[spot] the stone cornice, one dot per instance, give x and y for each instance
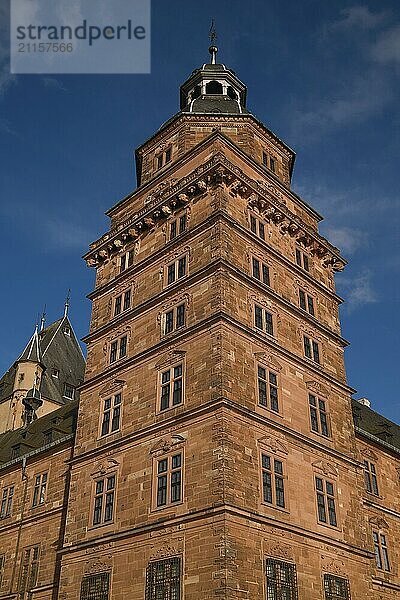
(262, 197)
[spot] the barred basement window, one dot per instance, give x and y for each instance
(103, 510)
(163, 579)
(169, 480)
(111, 415)
(95, 587)
(325, 501)
(306, 302)
(29, 571)
(273, 481)
(336, 588)
(267, 388)
(6, 502)
(263, 320)
(311, 349)
(178, 226)
(381, 551)
(260, 271)
(371, 483)
(281, 580)
(39, 491)
(318, 417)
(171, 384)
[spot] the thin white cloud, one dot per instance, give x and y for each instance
(54, 84)
(359, 290)
(387, 48)
(359, 17)
(347, 239)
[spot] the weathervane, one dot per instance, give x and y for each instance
(213, 39)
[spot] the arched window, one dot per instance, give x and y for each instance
(196, 92)
(214, 87)
(231, 93)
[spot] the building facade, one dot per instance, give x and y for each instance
(218, 452)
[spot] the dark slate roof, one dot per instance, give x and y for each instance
(58, 350)
(40, 434)
(32, 350)
(215, 104)
(373, 424)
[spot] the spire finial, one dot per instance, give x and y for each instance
(213, 39)
(43, 318)
(66, 305)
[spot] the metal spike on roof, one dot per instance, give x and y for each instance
(32, 351)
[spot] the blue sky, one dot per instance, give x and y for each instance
(324, 76)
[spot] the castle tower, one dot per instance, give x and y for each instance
(215, 453)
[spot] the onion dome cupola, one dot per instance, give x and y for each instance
(213, 89)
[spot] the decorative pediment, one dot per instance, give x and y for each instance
(165, 551)
(98, 565)
(176, 254)
(187, 298)
(317, 388)
(379, 522)
(261, 300)
(273, 443)
(170, 358)
(333, 566)
(278, 551)
(368, 453)
(326, 468)
(268, 360)
(167, 443)
(104, 467)
(112, 387)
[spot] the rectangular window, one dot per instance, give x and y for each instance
(273, 481)
(265, 159)
(371, 483)
(381, 551)
(272, 164)
(268, 389)
(159, 161)
(163, 579)
(2, 561)
(281, 580)
(263, 320)
(111, 415)
(302, 260)
(118, 348)
(318, 417)
(171, 387)
(311, 349)
(177, 270)
(29, 571)
(260, 271)
(169, 480)
(122, 346)
(39, 490)
(95, 587)
(126, 261)
(174, 318)
(257, 226)
(325, 501)
(336, 588)
(168, 155)
(69, 391)
(117, 305)
(103, 508)
(6, 502)
(178, 226)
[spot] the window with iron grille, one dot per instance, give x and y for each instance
(6, 502)
(336, 588)
(39, 491)
(260, 271)
(273, 481)
(326, 501)
(263, 320)
(28, 572)
(281, 580)
(318, 416)
(306, 302)
(371, 483)
(174, 318)
(95, 587)
(381, 551)
(168, 481)
(267, 388)
(257, 226)
(177, 270)
(178, 226)
(111, 414)
(118, 348)
(171, 387)
(104, 500)
(302, 260)
(311, 349)
(122, 302)
(163, 579)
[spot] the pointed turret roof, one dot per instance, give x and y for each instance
(32, 351)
